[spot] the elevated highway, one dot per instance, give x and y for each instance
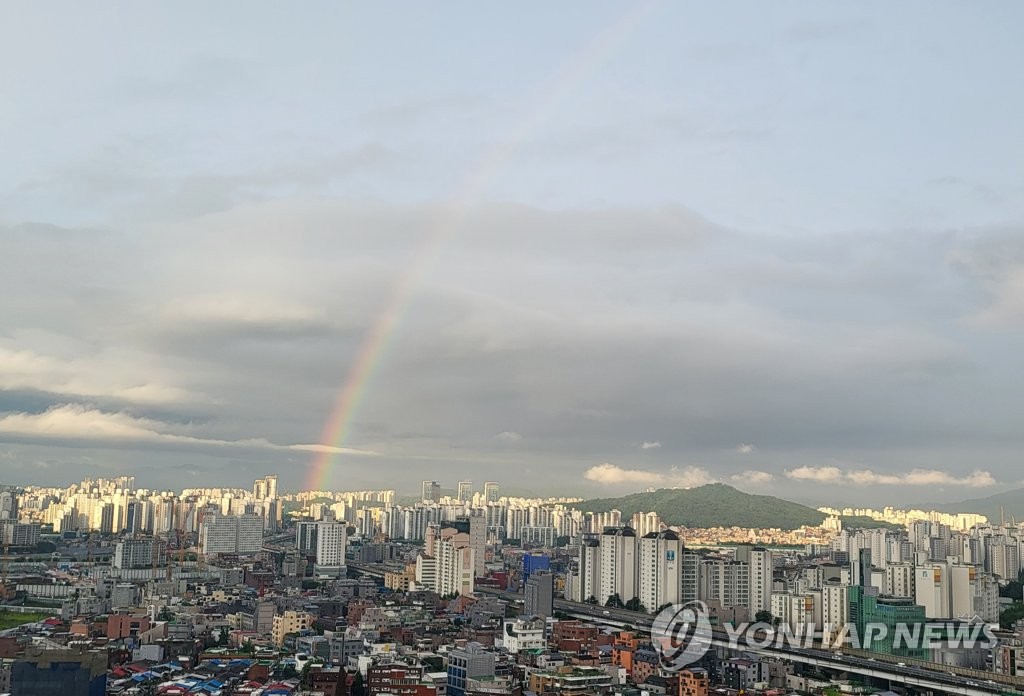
(920, 674)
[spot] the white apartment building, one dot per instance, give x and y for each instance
(659, 565)
(588, 582)
(232, 534)
(331, 544)
(618, 564)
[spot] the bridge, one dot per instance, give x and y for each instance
(920, 674)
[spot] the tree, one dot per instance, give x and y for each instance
(635, 605)
(615, 601)
(357, 688)
(591, 600)
(434, 663)
(1009, 616)
(1012, 590)
(764, 617)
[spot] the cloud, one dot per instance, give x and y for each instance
(75, 423)
(754, 477)
(817, 474)
(646, 445)
(98, 376)
(324, 449)
(745, 449)
(220, 308)
(868, 477)
(611, 474)
(1007, 305)
(757, 345)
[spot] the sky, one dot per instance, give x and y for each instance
(581, 249)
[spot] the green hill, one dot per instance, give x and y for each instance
(718, 505)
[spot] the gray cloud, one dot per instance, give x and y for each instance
(589, 330)
(587, 246)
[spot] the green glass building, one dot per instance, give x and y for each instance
(883, 624)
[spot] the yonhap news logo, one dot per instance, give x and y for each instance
(681, 633)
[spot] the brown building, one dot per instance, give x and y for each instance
(397, 679)
(122, 625)
(571, 680)
(575, 637)
(645, 664)
(331, 681)
(693, 682)
(623, 647)
(355, 610)
(9, 648)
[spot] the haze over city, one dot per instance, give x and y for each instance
(622, 247)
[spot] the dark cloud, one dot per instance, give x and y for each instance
(667, 227)
(565, 337)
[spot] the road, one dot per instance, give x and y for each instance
(939, 678)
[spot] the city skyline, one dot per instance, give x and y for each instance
(631, 246)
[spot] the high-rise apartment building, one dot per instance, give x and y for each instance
(588, 578)
(232, 534)
(659, 564)
(138, 553)
(618, 563)
(331, 543)
(8, 505)
(762, 569)
(465, 492)
(538, 594)
(491, 494)
(265, 488)
(431, 492)
(727, 582)
(455, 565)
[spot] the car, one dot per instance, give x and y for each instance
(606, 612)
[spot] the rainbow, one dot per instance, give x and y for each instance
(571, 73)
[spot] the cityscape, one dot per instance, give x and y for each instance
(480, 348)
(257, 590)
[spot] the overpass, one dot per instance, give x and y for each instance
(920, 674)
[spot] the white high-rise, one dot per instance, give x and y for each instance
(588, 584)
(455, 566)
(761, 573)
(899, 580)
(232, 534)
(727, 582)
(331, 543)
(491, 494)
(618, 564)
(659, 566)
(946, 590)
